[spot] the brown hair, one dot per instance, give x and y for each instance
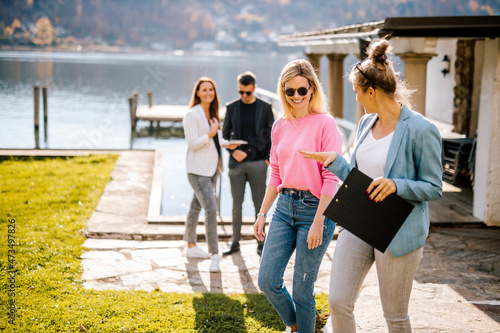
(301, 67)
(247, 78)
(195, 100)
(379, 73)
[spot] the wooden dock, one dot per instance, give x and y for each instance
(175, 113)
(157, 113)
(171, 113)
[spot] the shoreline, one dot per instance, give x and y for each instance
(97, 49)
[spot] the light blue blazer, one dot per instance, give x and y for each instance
(414, 164)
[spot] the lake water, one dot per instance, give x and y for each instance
(88, 105)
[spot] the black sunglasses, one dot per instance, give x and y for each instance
(290, 91)
(366, 77)
(248, 93)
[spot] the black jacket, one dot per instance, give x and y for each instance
(264, 120)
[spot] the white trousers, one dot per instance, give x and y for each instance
(352, 260)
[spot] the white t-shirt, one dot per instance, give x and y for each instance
(372, 154)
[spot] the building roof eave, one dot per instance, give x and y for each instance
(442, 26)
(330, 39)
(410, 27)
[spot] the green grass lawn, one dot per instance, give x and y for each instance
(44, 205)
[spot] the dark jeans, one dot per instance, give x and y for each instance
(253, 172)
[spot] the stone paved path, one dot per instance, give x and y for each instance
(456, 288)
(150, 265)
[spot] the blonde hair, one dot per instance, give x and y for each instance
(380, 73)
(301, 67)
(195, 100)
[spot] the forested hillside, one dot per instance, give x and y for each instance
(224, 24)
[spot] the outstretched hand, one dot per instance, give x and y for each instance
(326, 157)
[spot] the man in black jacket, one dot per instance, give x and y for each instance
(249, 119)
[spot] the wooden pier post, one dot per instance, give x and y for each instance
(44, 98)
(36, 94)
(132, 112)
(36, 97)
(150, 98)
(135, 95)
(45, 113)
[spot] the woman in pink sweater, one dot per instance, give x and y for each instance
(304, 189)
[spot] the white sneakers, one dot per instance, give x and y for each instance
(214, 265)
(196, 252)
(289, 330)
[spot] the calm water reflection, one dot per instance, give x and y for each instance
(88, 105)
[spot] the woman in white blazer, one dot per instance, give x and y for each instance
(203, 164)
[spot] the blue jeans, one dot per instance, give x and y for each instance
(292, 218)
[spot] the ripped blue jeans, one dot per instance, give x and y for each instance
(288, 230)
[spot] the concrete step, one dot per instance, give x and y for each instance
(173, 220)
(162, 232)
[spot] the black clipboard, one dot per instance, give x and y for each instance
(376, 223)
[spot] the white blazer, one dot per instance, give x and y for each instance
(202, 158)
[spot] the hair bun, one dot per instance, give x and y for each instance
(381, 58)
(378, 51)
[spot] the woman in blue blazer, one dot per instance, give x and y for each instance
(401, 151)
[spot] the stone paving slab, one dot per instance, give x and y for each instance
(150, 265)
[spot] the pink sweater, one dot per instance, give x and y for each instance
(289, 169)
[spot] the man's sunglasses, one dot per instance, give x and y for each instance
(248, 93)
(290, 91)
(358, 65)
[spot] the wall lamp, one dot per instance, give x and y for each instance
(446, 68)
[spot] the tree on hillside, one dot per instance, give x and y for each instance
(3, 35)
(197, 25)
(9, 30)
(44, 32)
(16, 24)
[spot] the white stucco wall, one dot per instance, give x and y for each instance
(486, 204)
(439, 100)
